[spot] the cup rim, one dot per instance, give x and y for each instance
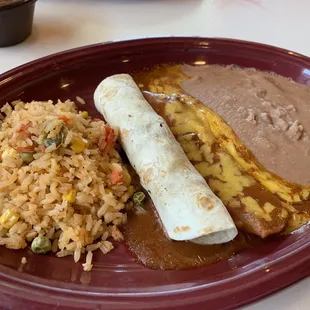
(14, 4)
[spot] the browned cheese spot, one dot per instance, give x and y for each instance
(205, 203)
(147, 175)
(208, 230)
(181, 229)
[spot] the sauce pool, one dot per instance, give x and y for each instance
(146, 240)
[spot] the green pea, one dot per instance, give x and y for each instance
(27, 157)
(138, 198)
(41, 245)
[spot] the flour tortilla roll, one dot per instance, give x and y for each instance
(187, 207)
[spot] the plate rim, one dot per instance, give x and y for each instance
(51, 60)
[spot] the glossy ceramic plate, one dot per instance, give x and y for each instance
(117, 281)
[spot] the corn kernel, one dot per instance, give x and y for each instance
(131, 190)
(78, 145)
(84, 114)
(8, 219)
(86, 142)
(9, 152)
(70, 196)
(126, 178)
(108, 191)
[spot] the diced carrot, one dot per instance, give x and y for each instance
(64, 118)
(42, 148)
(110, 138)
(26, 149)
(24, 127)
(23, 131)
(116, 177)
(28, 134)
(106, 142)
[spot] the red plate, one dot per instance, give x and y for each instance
(116, 281)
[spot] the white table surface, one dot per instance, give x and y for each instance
(65, 24)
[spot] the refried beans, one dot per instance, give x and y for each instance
(269, 113)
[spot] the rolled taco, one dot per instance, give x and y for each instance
(187, 207)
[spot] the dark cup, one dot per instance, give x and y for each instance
(16, 18)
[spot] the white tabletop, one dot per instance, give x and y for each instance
(64, 24)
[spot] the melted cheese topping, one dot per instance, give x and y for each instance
(248, 190)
